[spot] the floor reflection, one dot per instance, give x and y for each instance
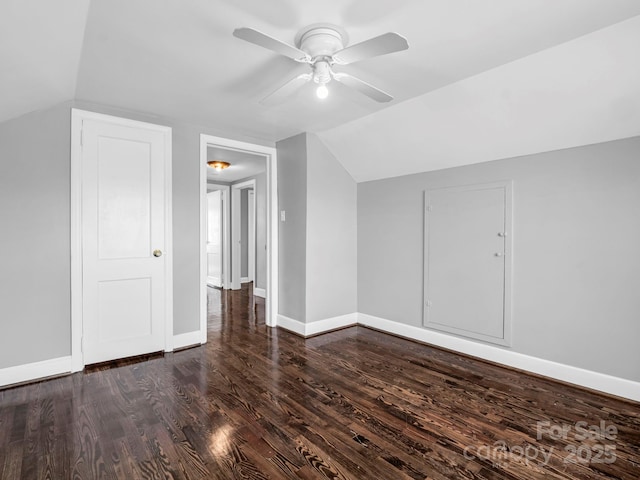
(231, 309)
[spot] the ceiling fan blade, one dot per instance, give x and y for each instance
(263, 40)
(363, 87)
(380, 45)
(285, 90)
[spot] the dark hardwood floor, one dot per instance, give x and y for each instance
(257, 403)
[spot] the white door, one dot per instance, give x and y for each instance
(123, 239)
(214, 238)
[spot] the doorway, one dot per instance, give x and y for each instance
(218, 263)
(270, 242)
(243, 235)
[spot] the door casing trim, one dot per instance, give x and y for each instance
(271, 300)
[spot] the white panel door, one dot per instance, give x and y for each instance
(214, 238)
(123, 240)
(465, 261)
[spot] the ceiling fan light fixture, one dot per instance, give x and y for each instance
(321, 46)
(218, 165)
(322, 91)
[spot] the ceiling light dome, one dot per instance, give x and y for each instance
(218, 165)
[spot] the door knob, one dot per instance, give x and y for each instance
(157, 253)
(498, 254)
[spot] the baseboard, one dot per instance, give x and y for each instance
(35, 371)
(585, 378)
(295, 326)
(187, 339)
(319, 326)
(259, 292)
(245, 280)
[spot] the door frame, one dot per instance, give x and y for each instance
(77, 321)
(226, 232)
(270, 154)
(251, 231)
(236, 253)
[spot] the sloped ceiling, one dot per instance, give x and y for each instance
(582, 92)
(474, 85)
(40, 49)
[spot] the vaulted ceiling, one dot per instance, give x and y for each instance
(481, 80)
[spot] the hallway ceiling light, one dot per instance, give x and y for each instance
(218, 165)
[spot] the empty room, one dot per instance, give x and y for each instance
(344, 239)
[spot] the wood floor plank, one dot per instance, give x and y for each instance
(260, 403)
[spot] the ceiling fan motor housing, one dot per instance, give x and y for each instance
(321, 40)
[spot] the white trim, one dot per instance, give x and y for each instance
(203, 242)
(295, 326)
(259, 292)
(187, 339)
(35, 371)
(77, 362)
(270, 153)
(77, 118)
(226, 237)
(271, 299)
(319, 326)
(168, 239)
(251, 233)
(566, 373)
(578, 376)
(245, 280)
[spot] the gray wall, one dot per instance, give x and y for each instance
(34, 237)
(331, 235)
(318, 260)
(292, 195)
(261, 230)
(576, 255)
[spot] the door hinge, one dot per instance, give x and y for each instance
(428, 303)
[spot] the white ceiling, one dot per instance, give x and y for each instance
(178, 59)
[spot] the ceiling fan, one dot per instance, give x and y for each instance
(322, 46)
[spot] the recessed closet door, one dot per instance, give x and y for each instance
(466, 258)
(123, 239)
